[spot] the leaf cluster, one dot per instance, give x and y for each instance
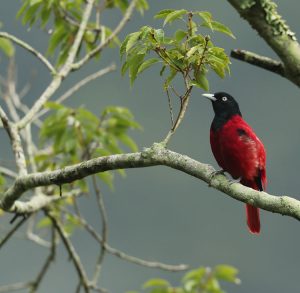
(77, 134)
(188, 51)
(201, 280)
(64, 17)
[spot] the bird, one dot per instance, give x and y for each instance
(238, 150)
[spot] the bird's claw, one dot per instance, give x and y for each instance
(232, 181)
(214, 174)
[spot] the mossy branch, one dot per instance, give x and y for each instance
(154, 156)
(263, 17)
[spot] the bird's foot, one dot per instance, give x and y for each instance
(214, 174)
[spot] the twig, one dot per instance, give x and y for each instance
(260, 61)
(170, 108)
(40, 201)
(184, 100)
(30, 235)
(79, 85)
(47, 263)
(15, 139)
(115, 32)
(122, 255)
(8, 173)
(11, 232)
(71, 250)
(71, 20)
(103, 216)
(15, 287)
(29, 49)
(63, 72)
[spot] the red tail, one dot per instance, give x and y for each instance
(253, 219)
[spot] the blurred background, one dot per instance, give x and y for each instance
(159, 213)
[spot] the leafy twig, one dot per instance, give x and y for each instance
(107, 41)
(63, 72)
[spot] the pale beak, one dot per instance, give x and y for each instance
(210, 97)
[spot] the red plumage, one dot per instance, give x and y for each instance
(238, 150)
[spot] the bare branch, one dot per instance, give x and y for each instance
(8, 173)
(122, 255)
(30, 235)
(71, 250)
(11, 232)
(15, 139)
(258, 60)
(264, 18)
(47, 263)
(30, 49)
(103, 216)
(40, 201)
(107, 41)
(79, 85)
(15, 287)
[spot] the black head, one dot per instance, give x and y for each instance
(225, 106)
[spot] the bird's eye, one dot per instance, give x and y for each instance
(224, 99)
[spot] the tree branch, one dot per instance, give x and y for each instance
(107, 41)
(260, 61)
(122, 255)
(154, 156)
(264, 18)
(71, 250)
(79, 85)
(15, 139)
(30, 49)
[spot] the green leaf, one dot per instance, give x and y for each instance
(134, 65)
(156, 283)
(196, 274)
(161, 72)
(146, 64)
(159, 35)
(44, 222)
(192, 50)
(133, 38)
(54, 105)
(217, 26)
(174, 15)
(163, 13)
(180, 34)
(171, 76)
(142, 5)
(7, 47)
(126, 140)
(33, 2)
(201, 81)
(207, 17)
(226, 273)
(57, 37)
